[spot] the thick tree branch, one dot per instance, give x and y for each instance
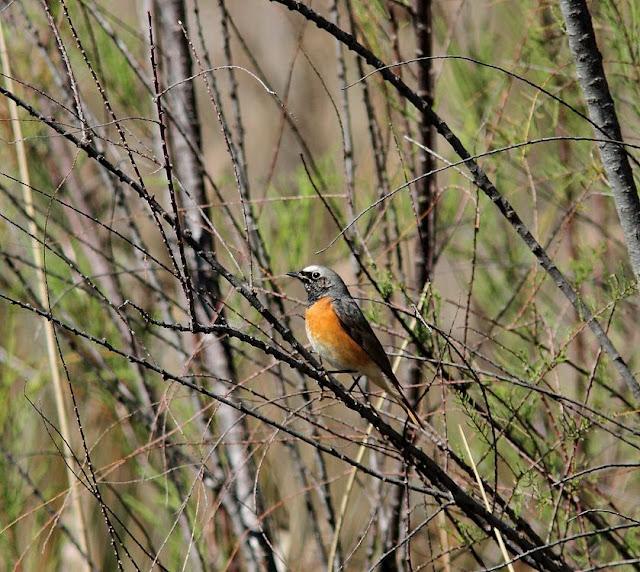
(602, 111)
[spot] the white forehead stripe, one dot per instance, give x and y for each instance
(312, 268)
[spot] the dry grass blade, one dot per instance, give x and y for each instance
(38, 257)
(499, 539)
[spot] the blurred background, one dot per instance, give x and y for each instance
(111, 456)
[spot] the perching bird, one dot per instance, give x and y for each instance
(341, 335)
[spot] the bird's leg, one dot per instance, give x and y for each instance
(356, 380)
(333, 372)
(324, 394)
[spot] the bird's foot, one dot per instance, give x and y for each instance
(325, 394)
(356, 380)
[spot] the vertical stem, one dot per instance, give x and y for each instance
(347, 137)
(185, 278)
(425, 189)
(499, 539)
(389, 220)
(425, 193)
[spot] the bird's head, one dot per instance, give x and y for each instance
(320, 282)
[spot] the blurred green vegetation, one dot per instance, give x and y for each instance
(557, 187)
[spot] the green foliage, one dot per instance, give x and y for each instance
(583, 266)
(387, 283)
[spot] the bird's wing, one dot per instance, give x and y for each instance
(358, 328)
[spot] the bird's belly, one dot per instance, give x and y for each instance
(329, 352)
(329, 339)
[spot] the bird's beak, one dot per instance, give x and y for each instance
(295, 275)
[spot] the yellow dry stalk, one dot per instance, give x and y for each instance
(499, 538)
(38, 256)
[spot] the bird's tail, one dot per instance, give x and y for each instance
(404, 403)
(399, 398)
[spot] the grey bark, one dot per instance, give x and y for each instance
(177, 65)
(602, 111)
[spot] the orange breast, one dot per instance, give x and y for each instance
(328, 338)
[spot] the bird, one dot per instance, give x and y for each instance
(339, 332)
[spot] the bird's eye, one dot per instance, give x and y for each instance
(315, 275)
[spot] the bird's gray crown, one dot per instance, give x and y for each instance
(320, 282)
